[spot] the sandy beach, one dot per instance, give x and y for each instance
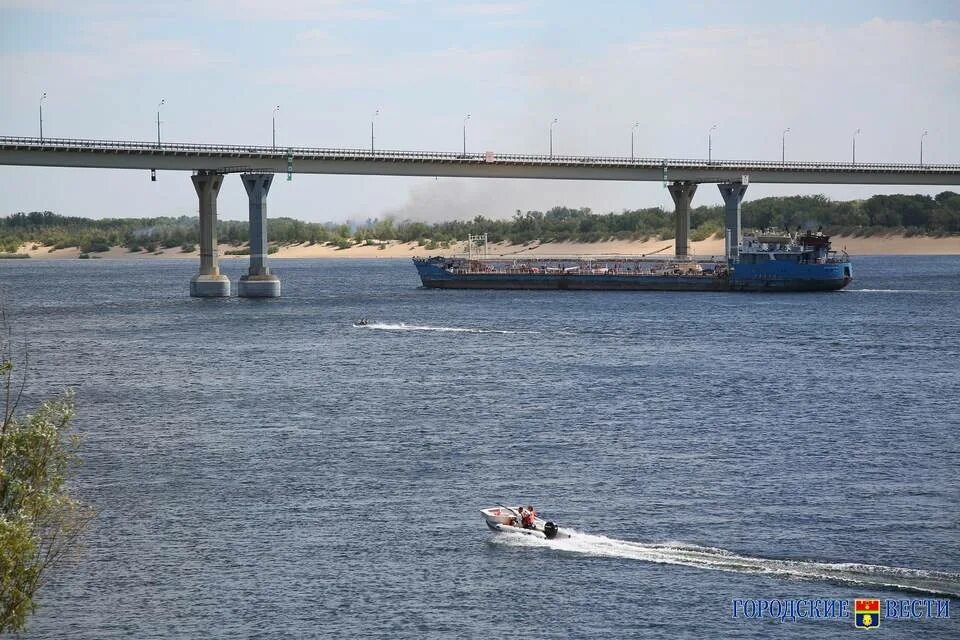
(875, 245)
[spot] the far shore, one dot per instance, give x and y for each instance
(855, 246)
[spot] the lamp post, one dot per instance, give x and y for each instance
(783, 146)
(163, 101)
(274, 121)
(925, 132)
(555, 121)
(710, 143)
(465, 134)
(855, 134)
(635, 125)
(372, 118)
(44, 97)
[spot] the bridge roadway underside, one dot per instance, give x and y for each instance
(475, 166)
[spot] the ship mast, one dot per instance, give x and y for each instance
(476, 244)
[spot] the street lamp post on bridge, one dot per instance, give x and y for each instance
(465, 134)
(855, 134)
(925, 132)
(274, 122)
(632, 131)
(372, 118)
(783, 146)
(162, 102)
(555, 121)
(44, 97)
(710, 143)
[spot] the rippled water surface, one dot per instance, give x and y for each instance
(265, 468)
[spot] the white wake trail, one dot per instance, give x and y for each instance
(384, 326)
(866, 575)
(895, 291)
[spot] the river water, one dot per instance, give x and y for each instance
(263, 468)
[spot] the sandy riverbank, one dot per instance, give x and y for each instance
(876, 245)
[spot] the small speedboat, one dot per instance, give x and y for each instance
(362, 322)
(505, 519)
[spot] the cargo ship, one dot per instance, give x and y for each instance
(763, 262)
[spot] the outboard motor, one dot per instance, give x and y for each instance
(550, 530)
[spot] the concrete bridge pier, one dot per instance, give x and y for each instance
(732, 193)
(682, 194)
(209, 283)
(259, 282)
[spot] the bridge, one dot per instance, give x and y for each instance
(258, 164)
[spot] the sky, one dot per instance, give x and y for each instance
(673, 68)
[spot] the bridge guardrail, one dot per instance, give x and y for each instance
(240, 151)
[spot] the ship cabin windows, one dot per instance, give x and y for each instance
(774, 256)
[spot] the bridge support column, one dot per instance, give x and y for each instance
(209, 283)
(732, 193)
(682, 193)
(259, 282)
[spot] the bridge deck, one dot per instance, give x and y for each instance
(113, 154)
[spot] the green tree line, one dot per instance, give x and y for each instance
(138, 234)
(909, 214)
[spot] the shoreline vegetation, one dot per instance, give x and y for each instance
(887, 244)
(888, 224)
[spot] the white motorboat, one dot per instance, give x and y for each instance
(506, 519)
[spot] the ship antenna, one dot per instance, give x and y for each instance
(480, 242)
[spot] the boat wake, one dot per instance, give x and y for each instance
(384, 326)
(895, 291)
(940, 583)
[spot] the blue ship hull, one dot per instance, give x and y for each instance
(790, 276)
(771, 276)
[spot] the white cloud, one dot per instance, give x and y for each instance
(401, 70)
(297, 10)
(318, 43)
(114, 61)
(490, 9)
(289, 10)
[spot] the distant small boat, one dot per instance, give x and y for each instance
(362, 322)
(505, 519)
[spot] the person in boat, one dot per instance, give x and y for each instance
(518, 520)
(528, 517)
